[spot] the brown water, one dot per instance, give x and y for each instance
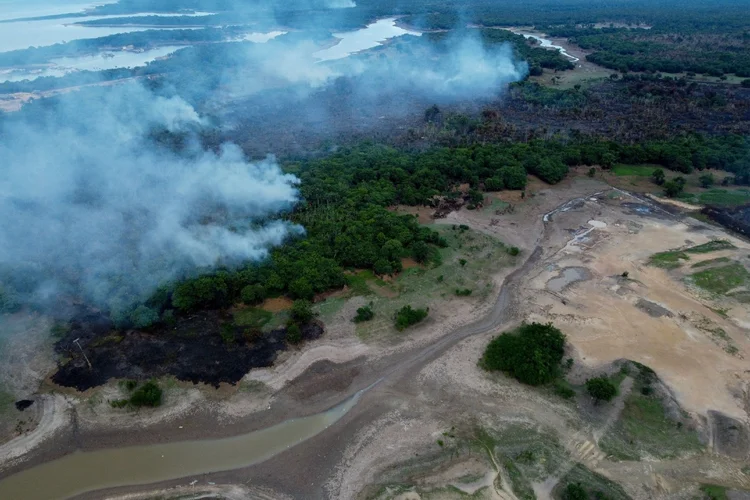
(81, 472)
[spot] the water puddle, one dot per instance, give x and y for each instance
(82, 472)
(366, 38)
(567, 277)
(546, 44)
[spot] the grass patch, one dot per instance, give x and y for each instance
(668, 260)
(622, 170)
(710, 262)
(711, 246)
(714, 492)
(644, 428)
(6, 401)
(329, 308)
(423, 287)
(722, 279)
(724, 197)
(252, 317)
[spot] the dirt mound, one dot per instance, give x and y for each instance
(204, 347)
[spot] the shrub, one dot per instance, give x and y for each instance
(253, 294)
(513, 251)
(143, 317)
(532, 355)
(149, 394)
(592, 172)
(302, 312)
(462, 262)
(463, 293)
(601, 388)
(293, 334)
(673, 188)
(408, 316)
(574, 491)
(119, 403)
(364, 314)
(707, 180)
(658, 177)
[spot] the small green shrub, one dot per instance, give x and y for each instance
(119, 403)
(463, 292)
(601, 388)
(574, 491)
(293, 334)
(513, 251)
(364, 314)
(149, 394)
(408, 316)
(302, 312)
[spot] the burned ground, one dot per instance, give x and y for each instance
(203, 347)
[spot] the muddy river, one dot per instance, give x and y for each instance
(81, 472)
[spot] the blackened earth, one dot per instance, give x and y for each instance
(202, 347)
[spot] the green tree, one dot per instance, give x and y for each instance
(420, 251)
(301, 289)
(253, 294)
(707, 180)
(364, 314)
(658, 177)
(601, 388)
(149, 394)
(293, 333)
(574, 491)
(673, 188)
(532, 355)
(301, 312)
(408, 316)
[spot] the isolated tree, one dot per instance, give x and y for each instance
(364, 314)
(302, 312)
(658, 177)
(532, 354)
(673, 188)
(707, 180)
(293, 333)
(574, 491)
(601, 388)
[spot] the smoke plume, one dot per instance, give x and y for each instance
(96, 202)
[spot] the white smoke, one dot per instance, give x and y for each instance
(86, 197)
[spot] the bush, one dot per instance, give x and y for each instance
(531, 355)
(574, 491)
(149, 394)
(673, 188)
(513, 251)
(601, 388)
(658, 177)
(408, 316)
(302, 312)
(364, 314)
(707, 180)
(463, 293)
(253, 294)
(293, 333)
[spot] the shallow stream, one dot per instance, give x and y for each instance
(85, 471)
